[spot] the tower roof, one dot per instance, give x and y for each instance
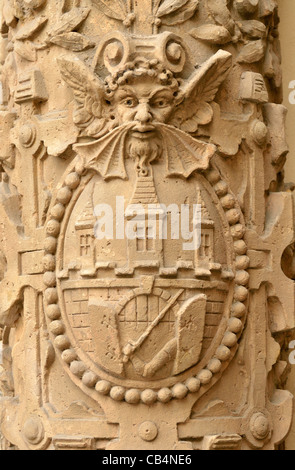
(145, 191)
(206, 218)
(86, 220)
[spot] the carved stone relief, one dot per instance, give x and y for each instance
(119, 118)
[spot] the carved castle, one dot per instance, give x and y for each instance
(146, 248)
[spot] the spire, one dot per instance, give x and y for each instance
(206, 218)
(86, 220)
(145, 191)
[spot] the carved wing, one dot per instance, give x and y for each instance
(184, 154)
(106, 155)
(89, 95)
(200, 90)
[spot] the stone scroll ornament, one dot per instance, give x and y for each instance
(138, 342)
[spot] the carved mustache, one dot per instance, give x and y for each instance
(144, 128)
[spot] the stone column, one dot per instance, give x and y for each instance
(146, 231)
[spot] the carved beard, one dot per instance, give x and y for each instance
(144, 152)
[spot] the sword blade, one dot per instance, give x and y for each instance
(131, 347)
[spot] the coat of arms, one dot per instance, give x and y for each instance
(143, 311)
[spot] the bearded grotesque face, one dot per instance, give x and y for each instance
(144, 111)
(144, 103)
(144, 98)
(144, 93)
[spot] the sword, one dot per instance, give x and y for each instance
(132, 346)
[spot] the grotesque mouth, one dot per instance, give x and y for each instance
(143, 131)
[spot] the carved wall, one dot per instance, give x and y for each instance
(135, 342)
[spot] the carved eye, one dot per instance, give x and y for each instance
(130, 102)
(161, 103)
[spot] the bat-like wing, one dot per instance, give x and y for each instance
(184, 154)
(106, 155)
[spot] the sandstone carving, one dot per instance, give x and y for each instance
(143, 302)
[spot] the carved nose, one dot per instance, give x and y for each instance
(143, 114)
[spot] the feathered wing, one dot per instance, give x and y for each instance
(89, 95)
(199, 91)
(106, 155)
(184, 154)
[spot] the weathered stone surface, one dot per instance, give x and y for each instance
(124, 332)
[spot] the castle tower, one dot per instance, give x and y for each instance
(205, 253)
(145, 249)
(85, 239)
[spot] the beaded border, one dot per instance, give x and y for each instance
(235, 323)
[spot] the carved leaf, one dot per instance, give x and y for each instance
(212, 33)
(69, 21)
(82, 118)
(117, 12)
(23, 8)
(26, 50)
(253, 28)
(96, 128)
(246, 7)
(73, 41)
(221, 14)
(8, 12)
(266, 7)
(252, 52)
(181, 15)
(30, 28)
(202, 116)
(169, 6)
